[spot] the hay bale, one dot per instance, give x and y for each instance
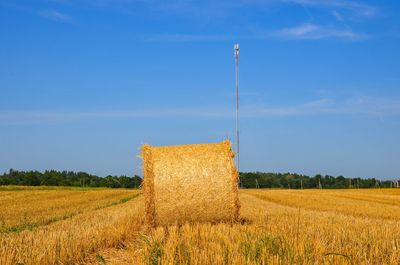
(190, 183)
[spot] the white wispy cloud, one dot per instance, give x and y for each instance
(307, 31)
(55, 15)
(314, 32)
(358, 8)
(370, 106)
(341, 10)
(337, 15)
(188, 37)
(33, 117)
(217, 8)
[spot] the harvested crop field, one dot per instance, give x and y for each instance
(106, 226)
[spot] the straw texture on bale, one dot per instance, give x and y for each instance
(190, 183)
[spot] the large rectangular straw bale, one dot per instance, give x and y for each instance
(190, 183)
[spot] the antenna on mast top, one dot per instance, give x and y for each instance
(236, 48)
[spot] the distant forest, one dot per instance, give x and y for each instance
(296, 181)
(248, 180)
(67, 178)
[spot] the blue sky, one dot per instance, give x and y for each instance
(83, 84)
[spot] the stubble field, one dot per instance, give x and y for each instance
(106, 226)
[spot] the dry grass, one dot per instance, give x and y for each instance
(372, 203)
(67, 240)
(277, 227)
(27, 208)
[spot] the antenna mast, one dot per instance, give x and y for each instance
(236, 47)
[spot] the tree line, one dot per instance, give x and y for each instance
(247, 180)
(296, 181)
(67, 178)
